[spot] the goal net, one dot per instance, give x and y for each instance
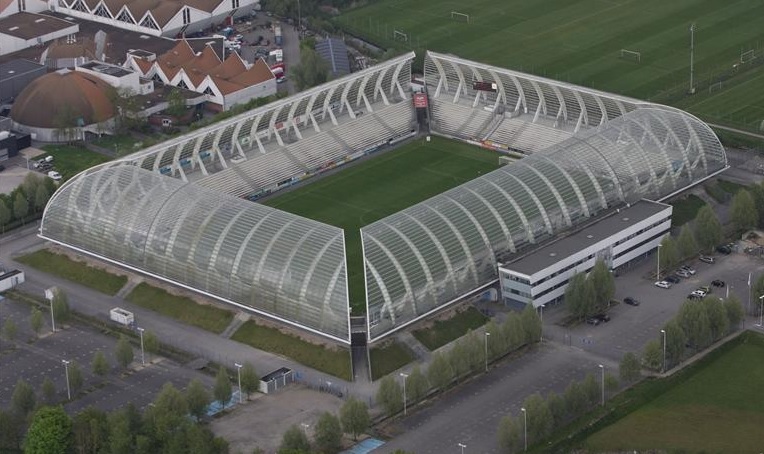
(400, 36)
(747, 56)
(631, 55)
(461, 17)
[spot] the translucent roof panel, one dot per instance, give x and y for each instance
(427, 256)
(258, 258)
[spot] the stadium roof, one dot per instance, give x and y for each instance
(259, 258)
(435, 252)
(335, 53)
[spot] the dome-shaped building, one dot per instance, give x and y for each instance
(63, 105)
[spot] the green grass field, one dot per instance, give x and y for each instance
(75, 271)
(381, 186)
(69, 160)
(719, 409)
(445, 331)
(685, 209)
(389, 358)
(580, 41)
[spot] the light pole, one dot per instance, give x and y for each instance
(663, 368)
(462, 445)
(728, 292)
(238, 371)
(658, 271)
(52, 318)
(405, 376)
(66, 371)
(602, 368)
(541, 319)
(143, 356)
(525, 428)
(761, 312)
(487, 335)
(692, 59)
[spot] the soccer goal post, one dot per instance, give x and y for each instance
(399, 35)
(631, 55)
(748, 55)
(462, 17)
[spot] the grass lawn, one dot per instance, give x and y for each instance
(181, 308)
(581, 42)
(75, 271)
(334, 362)
(719, 409)
(122, 144)
(444, 331)
(685, 209)
(389, 358)
(69, 160)
(730, 187)
(381, 186)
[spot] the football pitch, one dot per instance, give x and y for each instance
(383, 185)
(639, 48)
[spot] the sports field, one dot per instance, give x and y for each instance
(581, 41)
(383, 185)
(719, 409)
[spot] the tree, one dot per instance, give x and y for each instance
(197, 398)
(150, 343)
(65, 123)
(90, 430)
(511, 434)
(294, 441)
(354, 416)
(5, 215)
(41, 197)
(734, 311)
(575, 295)
(630, 370)
(250, 382)
(50, 432)
(591, 389)
(311, 71)
(708, 230)
(23, 399)
(440, 373)
(743, 212)
(222, 390)
(757, 193)
(652, 355)
(556, 405)
(35, 321)
(686, 243)
(575, 399)
(531, 324)
(328, 434)
(60, 303)
(10, 329)
(100, 366)
(75, 377)
(459, 359)
(124, 352)
(669, 254)
(717, 317)
(29, 186)
(540, 420)
(416, 385)
(757, 290)
(611, 383)
(20, 207)
(121, 433)
(48, 391)
(10, 432)
(390, 395)
(168, 414)
(498, 344)
(513, 331)
(603, 286)
(676, 339)
(176, 103)
(694, 321)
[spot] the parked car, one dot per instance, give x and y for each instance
(683, 273)
(699, 293)
(718, 283)
(593, 321)
(705, 289)
(673, 279)
(663, 284)
(602, 317)
(694, 296)
(54, 175)
(689, 269)
(724, 249)
(707, 259)
(630, 301)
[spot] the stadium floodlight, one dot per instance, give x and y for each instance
(456, 15)
(632, 55)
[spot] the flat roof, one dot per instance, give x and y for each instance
(18, 67)
(584, 237)
(106, 68)
(28, 25)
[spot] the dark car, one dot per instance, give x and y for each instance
(602, 317)
(723, 249)
(593, 321)
(718, 283)
(630, 301)
(707, 259)
(673, 279)
(2, 167)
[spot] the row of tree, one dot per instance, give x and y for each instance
(30, 197)
(697, 325)
(327, 435)
(747, 208)
(587, 295)
(468, 355)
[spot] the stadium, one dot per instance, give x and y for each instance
(188, 211)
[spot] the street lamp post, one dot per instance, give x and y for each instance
(462, 445)
(238, 371)
(405, 376)
(525, 428)
(658, 271)
(143, 356)
(541, 319)
(602, 368)
(761, 312)
(66, 372)
(487, 335)
(52, 317)
(663, 368)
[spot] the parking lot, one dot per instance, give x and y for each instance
(34, 360)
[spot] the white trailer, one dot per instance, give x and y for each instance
(122, 316)
(10, 279)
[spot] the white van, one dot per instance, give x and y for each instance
(54, 175)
